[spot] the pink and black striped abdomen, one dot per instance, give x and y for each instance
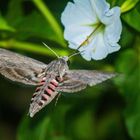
(44, 94)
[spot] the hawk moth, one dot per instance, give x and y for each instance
(50, 79)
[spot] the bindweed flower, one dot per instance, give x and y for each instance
(92, 28)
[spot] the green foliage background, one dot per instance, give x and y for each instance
(109, 111)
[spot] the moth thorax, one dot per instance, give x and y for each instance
(65, 58)
(63, 67)
(57, 67)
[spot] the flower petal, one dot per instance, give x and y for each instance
(77, 19)
(96, 49)
(114, 27)
(86, 50)
(86, 55)
(94, 25)
(101, 50)
(78, 13)
(100, 7)
(77, 35)
(113, 47)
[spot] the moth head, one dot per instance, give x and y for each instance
(65, 58)
(63, 66)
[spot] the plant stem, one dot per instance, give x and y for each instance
(30, 47)
(51, 19)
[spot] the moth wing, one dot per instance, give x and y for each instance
(20, 69)
(76, 80)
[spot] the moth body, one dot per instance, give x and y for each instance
(49, 79)
(46, 91)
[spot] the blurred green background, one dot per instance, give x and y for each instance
(108, 111)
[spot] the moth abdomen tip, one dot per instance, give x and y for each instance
(31, 115)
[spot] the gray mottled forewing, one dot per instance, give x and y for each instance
(76, 80)
(20, 69)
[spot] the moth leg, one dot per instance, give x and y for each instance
(58, 96)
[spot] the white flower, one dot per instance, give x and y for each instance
(91, 25)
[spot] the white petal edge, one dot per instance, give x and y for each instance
(114, 28)
(77, 18)
(97, 49)
(100, 7)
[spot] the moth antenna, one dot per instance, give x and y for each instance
(75, 54)
(57, 98)
(51, 49)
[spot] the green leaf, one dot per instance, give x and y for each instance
(128, 65)
(85, 121)
(115, 2)
(33, 131)
(14, 11)
(132, 114)
(34, 24)
(128, 5)
(4, 25)
(132, 19)
(129, 74)
(50, 19)
(133, 125)
(30, 47)
(44, 125)
(128, 37)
